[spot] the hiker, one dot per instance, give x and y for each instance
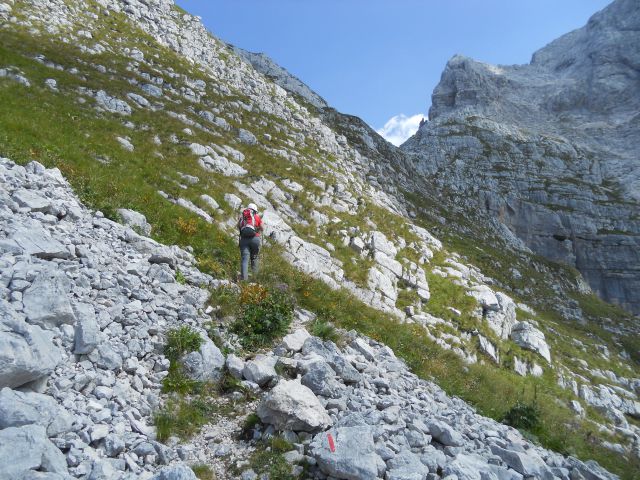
(249, 227)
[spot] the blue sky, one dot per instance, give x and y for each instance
(379, 59)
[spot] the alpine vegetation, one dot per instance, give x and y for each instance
(431, 311)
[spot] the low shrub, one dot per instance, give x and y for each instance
(266, 316)
(524, 416)
(226, 300)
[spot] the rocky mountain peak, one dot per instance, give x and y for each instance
(550, 148)
(592, 71)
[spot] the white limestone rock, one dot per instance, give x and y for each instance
(353, 456)
(260, 370)
(28, 408)
(32, 239)
(529, 337)
(31, 200)
(135, 219)
(294, 341)
(26, 351)
(112, 104)
(24, 449)
(292, 406)
(219, 164)
(205, 364)
(46, 302)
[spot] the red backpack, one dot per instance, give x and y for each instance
(248, 224)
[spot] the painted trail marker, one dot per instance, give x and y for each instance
(332, 445)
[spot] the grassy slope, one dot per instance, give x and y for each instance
(57, 131)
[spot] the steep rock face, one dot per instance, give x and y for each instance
(551, 148)
(281, 76)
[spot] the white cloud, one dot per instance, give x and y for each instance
(400, 127)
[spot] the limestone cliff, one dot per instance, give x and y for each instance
(551, 148)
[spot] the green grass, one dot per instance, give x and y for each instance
(407, 297)
(263, 317)
(183, 417)
(268, 458)
(445, 294)
(203, 472)
(490, 390)
(325, 330)
(180, 341)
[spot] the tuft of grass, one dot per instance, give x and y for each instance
(280, 445)
(268, 458)
(183, 418)
(177, 382)
(203, 472)
(445, 294)
(325, 330)
(180, 341)
(226, 299)
(180, 277)
(249, 425)
(228, 383)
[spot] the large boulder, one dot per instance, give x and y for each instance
(27, 448)
(135, 220)
(475, 467)
(501, 321)
(205, 364)
(329, 351)
(219, 164)
(294, 341)
(444, 433)
(292, 406)
(526, 463)
(31, 239)
(347, 453)
(87, 331)
(27, 408)
(45, 301)
(260, 370)
(406, 465)
(106, 357)
(31, 200)
(529, 337)
(320, 378)
(380, 243)
(26, 352)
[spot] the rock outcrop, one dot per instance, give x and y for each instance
(550, 148)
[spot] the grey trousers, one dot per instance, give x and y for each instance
(249, 249)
